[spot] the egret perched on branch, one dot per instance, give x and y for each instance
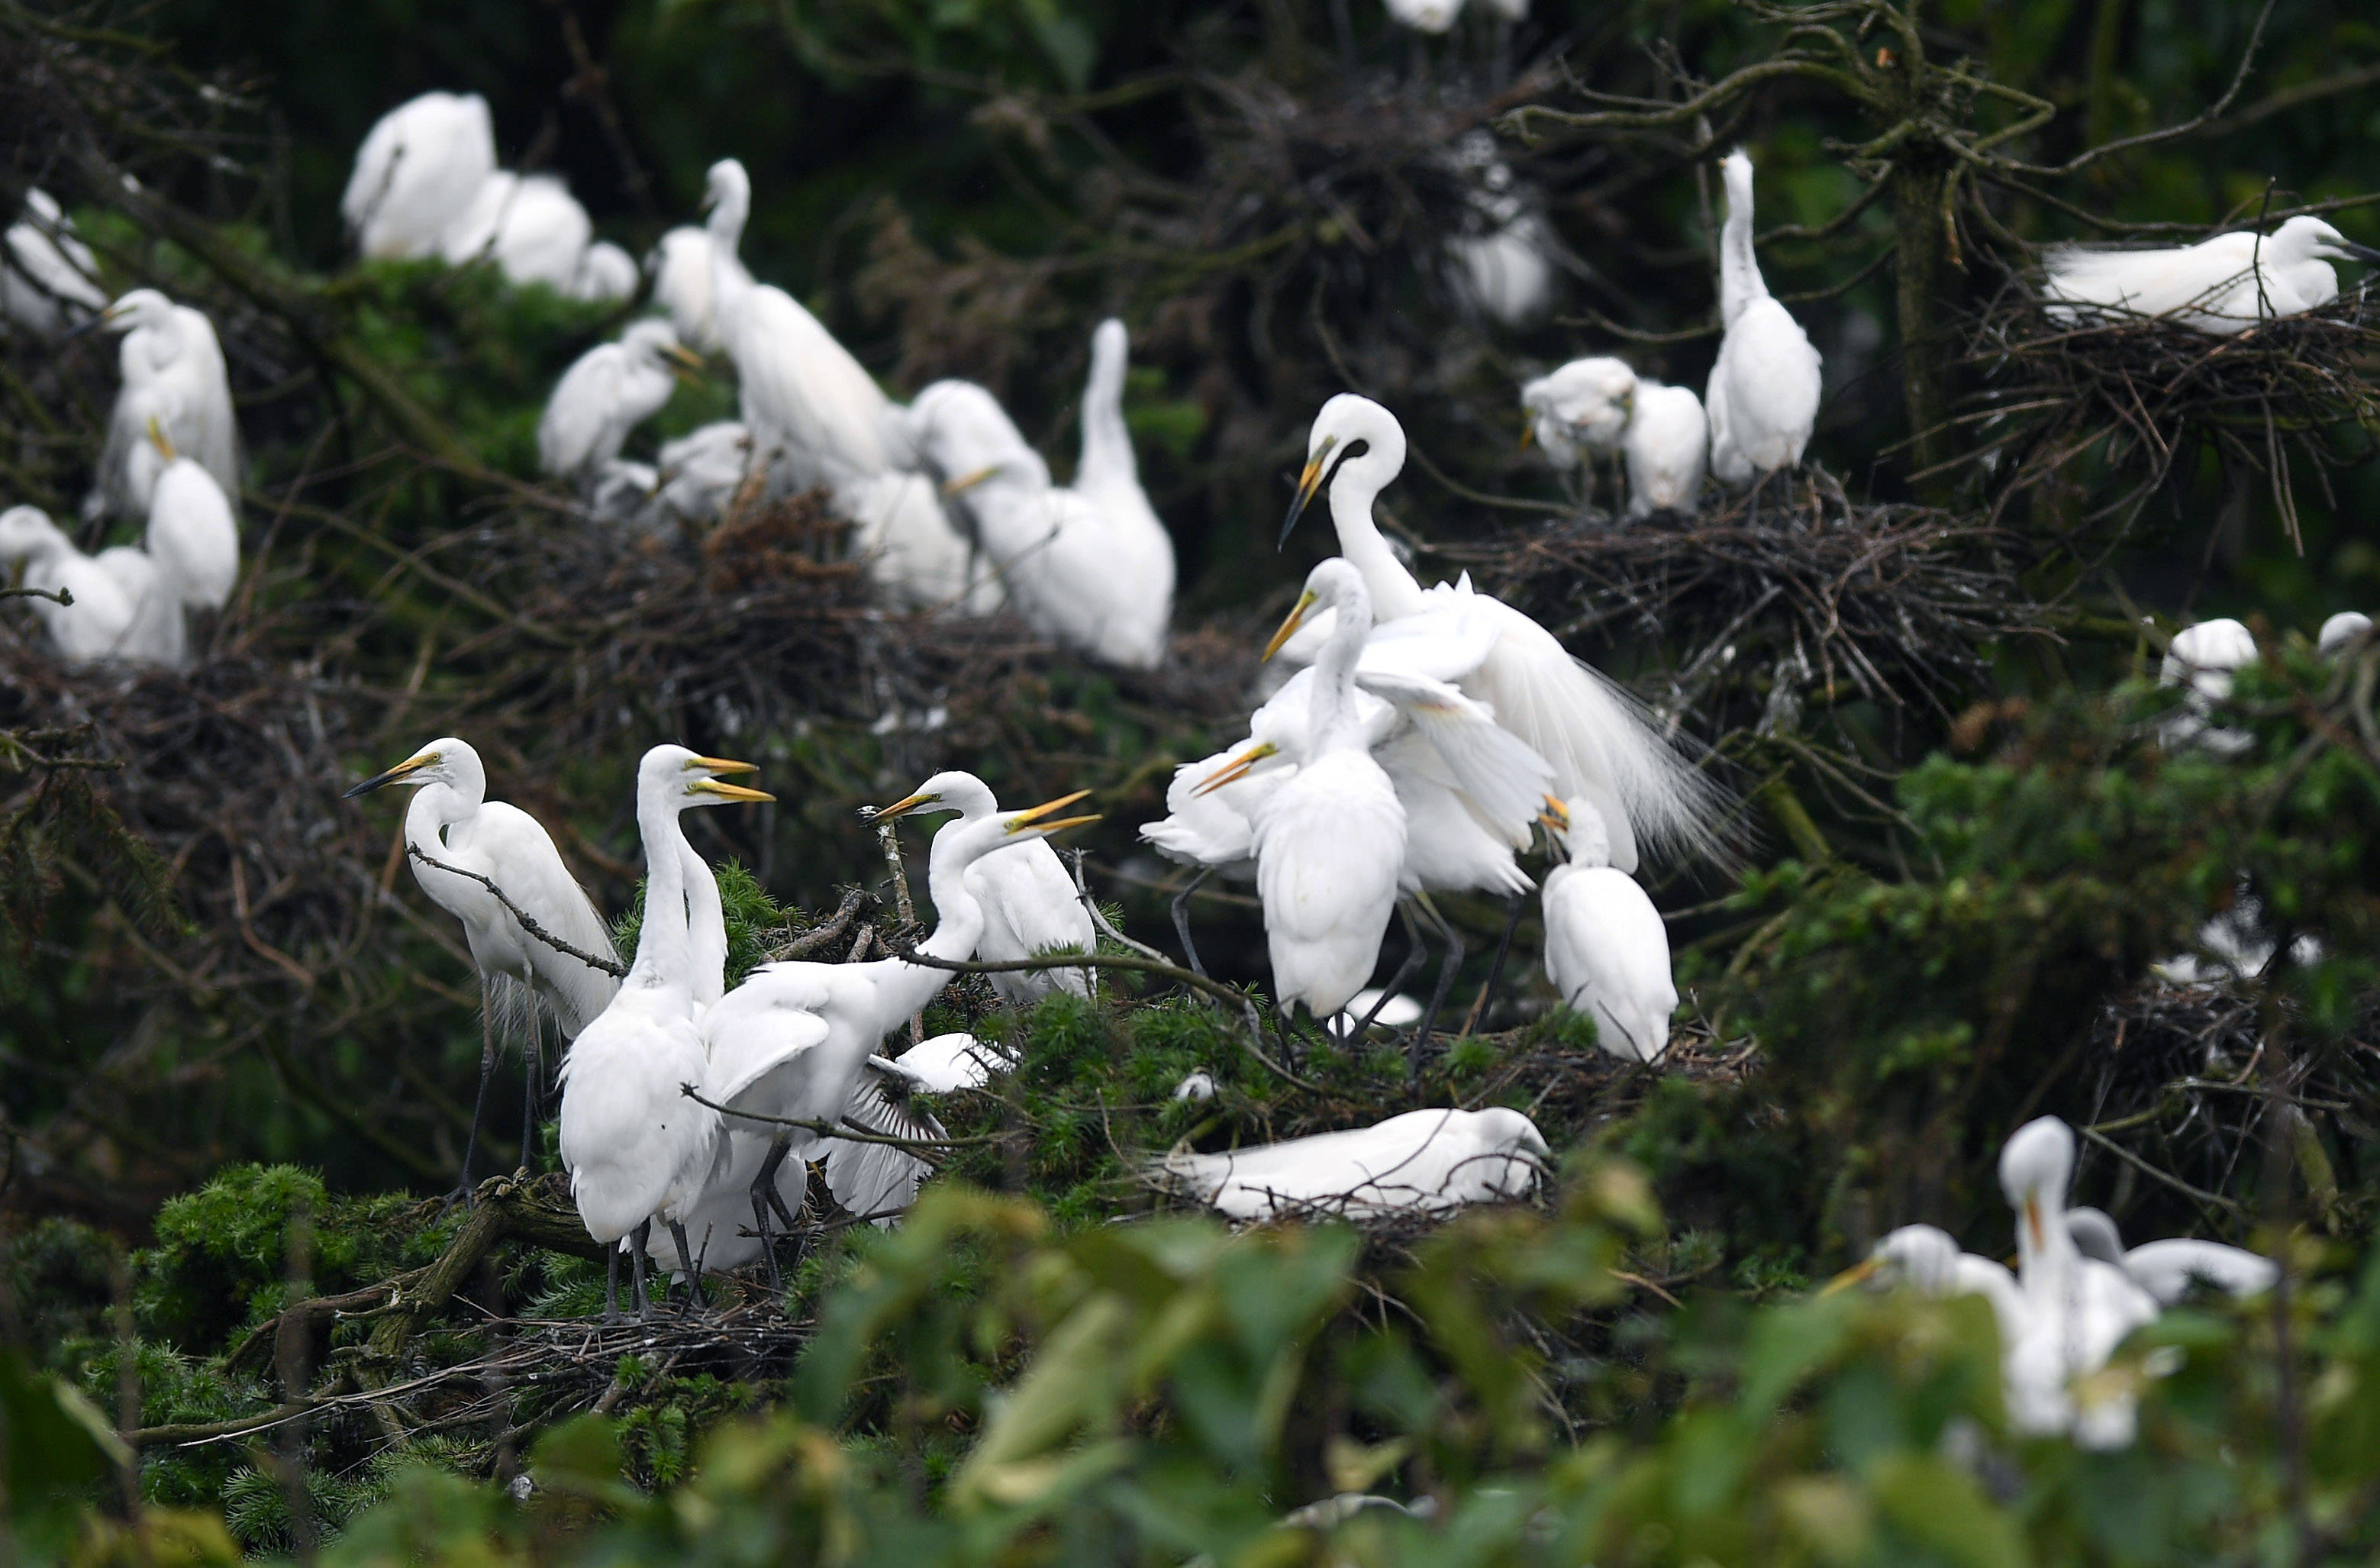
(635, 1147)
(193, 535)
(1668, 438)
(2222, 285)
(1606, 950)
(173, 370)
(95, 624)
(792, 1041)
(1599, 742)
(45, 272)
(416, 173)
(2203, 659)
(1030, 904)
(2170, 1269)
(1423, 1161)
(454, 834)
(607, 392)
(1762, 394)
(530, 225)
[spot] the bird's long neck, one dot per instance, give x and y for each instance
(706, 927)
(1739, 270)
(1395, 590)
(664, 957)
(1332, 710)
(726, 231)
(1107, 444)
(434, 807)
(958, 927)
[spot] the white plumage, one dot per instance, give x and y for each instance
(948, 1064)
(1030, 905)
(1929, 1262)
(416, 173)
(45, 272)
(1606, 950)
(96, 624)
(173, 370)
(606, 393)
(2221, 285)
(1423, 1161)
(915, 557)
(1581, 410)
(193, 535)
(1763, 395)
(606, 274)
(158, 635)
(2201, 660)
(2170, 1269)
(1668, 438)
(699, 473)
(682, 265)
(530, 225)
(2340, 631)
(1424, 16)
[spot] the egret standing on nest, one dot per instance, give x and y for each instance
(2222, 285)
(1606, 950)
(1666, 441)
(606, 393)
(452, 828)
(193, 535)
(1763, 395)
(173, 370)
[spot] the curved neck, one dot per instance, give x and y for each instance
(726, 231)
(1395, 590)
(435, 806)
(1739, 271)
(903, 986)
(662, 955)
(1332, 705)
(706, 924)
(1107, 444)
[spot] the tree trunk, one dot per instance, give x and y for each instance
(1921, 267)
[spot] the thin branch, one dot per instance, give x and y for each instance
(611, 966)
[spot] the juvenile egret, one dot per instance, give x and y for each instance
(681, 265)
(622, 493)
(2221, 285)
(610, 390)
(1606, 950)
(158, 635)
(1030, 905)
(1423, 1161)
(45, 272)
(1600, 744)
(2203, 659)
(453, 822)
(94, 626)
(606, 274)
(416, 173)
(173, 370)
(2169, 1269)
(1581, 411)
(193, 535)
(2079, 1308)
(1092, 577)
(2341, 631)
(635, 1147)
(792, 1041)
(530, 225)
(699, 473)
(1666, 440)
(1762, 394)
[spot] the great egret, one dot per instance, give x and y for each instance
(606, 274)
(606, 393)
(416, 173)
(158, 635)
(530, 225)
(699, 473)
(45, 272)
(792, 1041)
(1598, 741)
(1929, 1262)
(1606, 950)
(453, 822)
(173, 370)
(1108, 473)
(2341, 631)
(2079, 1308)
(193, 535)
(1423, 1161)
(2222, 285)
(1762, 394)
(1668, 438)
(2170, 1269)
(681, 265)
(635, 1147)
(951, 1063)
(915, 558)
(1580, 412)
(2202, 660)
(1097, 578)
(1030, 904)
(95, 624)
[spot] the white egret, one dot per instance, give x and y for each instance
(950, 1063)
(1599, 742)
(530, 225)
(173, 370)
(2079, 1308)
(2170, 1269)
(1030, 904)
(159, 634)
(1580, 412)
(1929, 1262)
(1606, 950)
(699, 473)
(1094, 577)
(606, 274)
(681, 265)
(1195, 1088)
(635, 1147)
(2203, 659)
(915, 558)
(1424, 16)
(416, 173)
(1762, 394)
(622, 492)
(2222, 285)
(792, 1040)
(95, 624)
(193, 535)
(606, 393)
(1423, 1161)
(45, 272)
(1504, 262)
(1668, 438)
(2341, 632)
(1107, 474)
(452, 823)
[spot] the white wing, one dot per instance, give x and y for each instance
(1504, 780)
(1030, 907)
(531, 871)
(2167, 1269)
(571, 434)
(764, 1027)
(193, 535)
(880, 1182)
(802, 389)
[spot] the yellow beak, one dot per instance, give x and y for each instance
(1528, 435)
(965, 482)
(2033, 1221)
(158, 439)
(1307, 483)
(1856, 1275)
(1026, 819)
(413, 764)
(727, 791)
(902, 808)
(1556, 815)
(1289, 627)
(1237, 767)
(684, 356)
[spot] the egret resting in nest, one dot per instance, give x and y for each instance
(193, 535)
(1606, 950)
(173, 370)
(1762, 394)
(530, 225)
(606, 393)
(1423, 1161)
(99, 616)
(1668, 438)
(2222, 285)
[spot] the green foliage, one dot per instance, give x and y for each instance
(755, 921)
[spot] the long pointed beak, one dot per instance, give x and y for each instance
(106, 318)
(409, 766)
(727, 791)
(2033, 1221)
(1856, 1274)
(1556, 815)
(1061, 825)
(1026, 819)
(1289, 627)
(1528, 435)
(1307, 483)
(1236, 768)
(902, 808)
(724, 765)
(683, 354)
(2363, 253)
(965, 482)
(160, 439)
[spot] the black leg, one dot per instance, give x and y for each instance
(764, 1193)
(1182, 919)
(1404, 971)
(1496, 971)
(686, 1264)
(612, 1284)
(533, 1071)
(479, 1100)
(1451, 962)
(636, 1240)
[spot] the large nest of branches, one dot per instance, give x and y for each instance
(2111, 408)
